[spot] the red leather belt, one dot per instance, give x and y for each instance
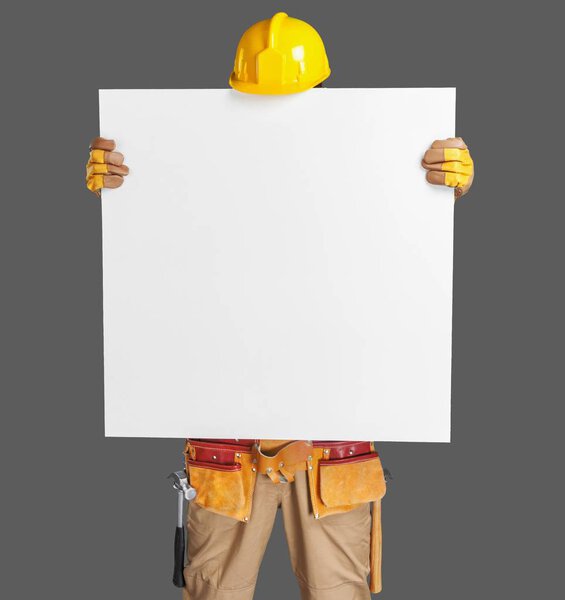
(223, 451)
(340, 449)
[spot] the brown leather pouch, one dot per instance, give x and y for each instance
(344, 483)
(226, 489)
(351, 481)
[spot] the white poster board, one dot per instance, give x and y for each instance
(278, 267)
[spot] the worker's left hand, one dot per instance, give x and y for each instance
(448, 162)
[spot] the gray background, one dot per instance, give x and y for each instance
(88, 517)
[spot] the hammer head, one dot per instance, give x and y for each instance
(180, 480)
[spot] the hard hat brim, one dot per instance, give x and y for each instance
(274, 89)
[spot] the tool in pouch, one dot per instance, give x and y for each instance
(188, 493)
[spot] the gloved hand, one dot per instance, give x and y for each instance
(448, 162)
(105, 168)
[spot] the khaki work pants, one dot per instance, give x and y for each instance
(329, 556)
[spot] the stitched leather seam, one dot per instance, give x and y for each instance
(225, 447)
(214, 467)
(348, 460)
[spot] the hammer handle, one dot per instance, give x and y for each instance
(178, 575)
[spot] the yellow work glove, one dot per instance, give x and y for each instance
(448, 162)
(105, 168)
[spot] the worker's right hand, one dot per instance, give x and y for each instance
(105, 168)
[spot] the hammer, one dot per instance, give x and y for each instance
(185, 492)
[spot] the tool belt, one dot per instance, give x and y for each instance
(341, 476)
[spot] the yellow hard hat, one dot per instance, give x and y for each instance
(281, 55)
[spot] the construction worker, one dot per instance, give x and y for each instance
(329, 491)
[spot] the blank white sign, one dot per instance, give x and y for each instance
(278, 267)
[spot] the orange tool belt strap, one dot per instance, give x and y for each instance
(283, 465)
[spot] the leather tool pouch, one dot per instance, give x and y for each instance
(342, 481)
(223, 477)
(350, 481)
